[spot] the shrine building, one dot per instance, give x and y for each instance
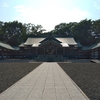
(50, 48)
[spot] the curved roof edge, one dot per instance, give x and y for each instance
(7, 46)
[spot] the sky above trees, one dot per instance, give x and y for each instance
(49, 13)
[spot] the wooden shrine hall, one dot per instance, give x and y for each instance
(50, 47)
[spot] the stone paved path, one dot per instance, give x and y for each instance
(46, 82)
(95, 61)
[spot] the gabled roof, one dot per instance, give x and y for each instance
(21, 45)
(68, 40)
(52, 41)
(79, 44)
(64, 44)
(33, 40)
(85, 48)
(36, 45)
(36, 41)
(94, 46)
(6, 46)
(16, 48)
(50, 38)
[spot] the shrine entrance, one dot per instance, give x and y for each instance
(50, 48)
(50, 51)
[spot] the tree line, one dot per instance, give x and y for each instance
(86, 31)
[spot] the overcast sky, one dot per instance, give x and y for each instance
(49, 13)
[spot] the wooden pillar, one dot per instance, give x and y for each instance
(63, 51)
(56, 51)
(23, 52)
(44, 51)
(99, 53)
(2, 54)
(94, 53)
(29, 51)
(36, 51)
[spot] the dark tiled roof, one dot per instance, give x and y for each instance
(94, 46)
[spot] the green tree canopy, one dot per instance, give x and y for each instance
(86, 31)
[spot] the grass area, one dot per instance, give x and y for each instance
(12, 72)
(86, 76)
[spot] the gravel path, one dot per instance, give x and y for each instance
(86, 76)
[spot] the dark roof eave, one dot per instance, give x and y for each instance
(50, 41)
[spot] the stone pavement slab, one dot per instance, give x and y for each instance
(95, 60)
(47, 82)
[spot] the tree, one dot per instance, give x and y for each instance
(82, 31)
(1, 31)
(96, 30)
(85, 31)
(33, 30)
(61, 29)
(37, 30)
(12, 30)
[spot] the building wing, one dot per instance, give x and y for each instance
(6, 46)
(95, 46)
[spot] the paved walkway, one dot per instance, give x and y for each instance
(46, 82)
(95, 61)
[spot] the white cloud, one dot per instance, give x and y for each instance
(5, 5)
(25, 13)
(97, 4)
(49, 15)
(77, 14)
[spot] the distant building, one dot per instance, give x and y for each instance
(92, 51)
(50, 48)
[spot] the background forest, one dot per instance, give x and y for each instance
(87, 32)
